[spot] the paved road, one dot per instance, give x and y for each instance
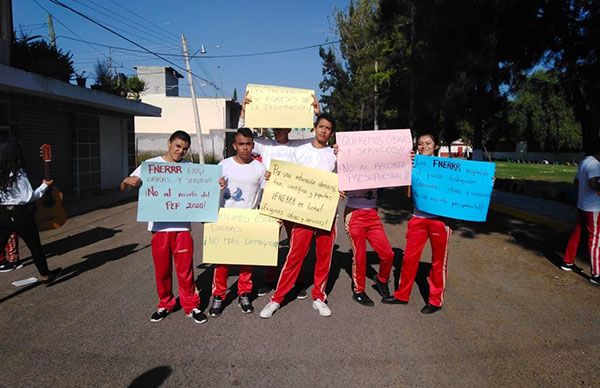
(511, 318)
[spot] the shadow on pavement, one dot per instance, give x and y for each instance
(152, 378)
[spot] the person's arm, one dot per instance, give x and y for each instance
(129, 182)
(316, 106)
(37, 193)
(242, 120)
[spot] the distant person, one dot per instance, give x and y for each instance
(172, 241)
(244, 177)
(16, 194)
(279, 148)
(588, 210)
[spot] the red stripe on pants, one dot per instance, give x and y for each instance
(418, 231)
(11, 250)
(364, 225)
(180, 246)
(271, 272)
(588, 220)
(219, 285)
(299, 245)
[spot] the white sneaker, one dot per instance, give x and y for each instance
(319, 305)
(269, 309)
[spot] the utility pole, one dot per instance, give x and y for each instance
(51, 31)
(193, 93)
(375, 124)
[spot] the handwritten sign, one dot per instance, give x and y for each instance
(179, 192)
(304, 195)
(279, 107)
(453, 188)
(241, 236)
(371, 159)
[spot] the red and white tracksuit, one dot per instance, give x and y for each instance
(418, 231)
(10, 253)
(180, 246)
(300, 240)
(590, 221)
(272, 272)
(364, 225)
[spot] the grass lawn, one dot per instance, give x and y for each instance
(536, 172)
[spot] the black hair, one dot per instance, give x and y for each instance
(436, 143)
(328, 117)
(246, 132)
(11, 162)
(593, 148)
(181, 135)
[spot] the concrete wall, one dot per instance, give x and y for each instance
(159, 80)
(213, 142)
(177, 113)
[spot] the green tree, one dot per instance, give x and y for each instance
(37, 56)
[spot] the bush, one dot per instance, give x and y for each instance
(38, 56)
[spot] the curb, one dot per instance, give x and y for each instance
(530, 217)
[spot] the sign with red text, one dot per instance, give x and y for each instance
(372, 159)
(179, 192)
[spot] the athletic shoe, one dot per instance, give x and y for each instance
(265, 289)
(269, 309)
(595, 279)
(198, 316)
(363, 298)
(320, 306)
(245, 304)
(217, 307)
(7, 267)
(567, 267)
(382, 288)
(17, 265)
(159, 315)
(52, 276)
(391, 299)
(430, 309)
(301, 293)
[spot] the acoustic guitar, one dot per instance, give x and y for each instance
(49, 212)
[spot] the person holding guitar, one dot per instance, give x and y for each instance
(15, 194)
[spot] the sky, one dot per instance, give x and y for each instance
(230, 27)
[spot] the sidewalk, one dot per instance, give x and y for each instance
(78, 206)
(553, 214)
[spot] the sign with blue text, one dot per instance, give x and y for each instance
(179, 192)
(453, 188)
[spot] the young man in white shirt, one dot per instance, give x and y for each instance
(588, 208)
(172, 239)
(244, 177)
(316, 154)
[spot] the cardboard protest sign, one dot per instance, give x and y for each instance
(241, 236)
(279, 107)
(179, 192)
(453, 188)
(372, 159)
(304, 195)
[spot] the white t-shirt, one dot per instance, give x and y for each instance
(309, 156)
(270, 149)
(163, 226)
(588, 199)
(243, 183)
(362, 199)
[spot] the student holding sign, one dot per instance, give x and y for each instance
(423, 226)
(172, 240)
(279, 148)
(244, 178)
(316, 154)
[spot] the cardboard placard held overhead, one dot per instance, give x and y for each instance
(279, 107)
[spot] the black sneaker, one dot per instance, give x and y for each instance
(245, 304)
(430, 309)
(363, 298)
(217, 307)
(198, 316)
(391, 299)
(567, 267)
(159, 315)
(265, 289)
(6, 267)
(595, 279)
(301, 293)
(382, 288)
(52, 275)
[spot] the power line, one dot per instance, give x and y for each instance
(143, 18)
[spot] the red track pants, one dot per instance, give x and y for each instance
(364, 225)
(590, 221)
(219, 285)
(271, 272)
(180, 246)
(299, 245)
(419, 229)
